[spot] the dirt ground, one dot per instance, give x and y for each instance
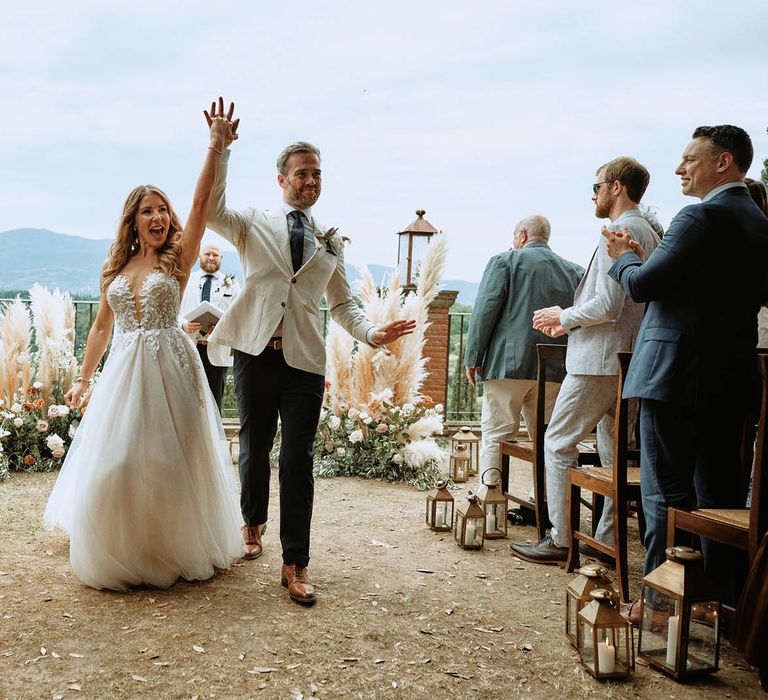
(402, 612)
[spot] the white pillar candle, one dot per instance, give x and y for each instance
(490, 521)
(459, 474)
(672, 624)
(469, 533)
(606, 657)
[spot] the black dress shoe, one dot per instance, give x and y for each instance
(545, 551)
(593, 553)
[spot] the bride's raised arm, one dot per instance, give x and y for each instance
(223, 133)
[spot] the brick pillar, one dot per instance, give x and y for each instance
(436, 347)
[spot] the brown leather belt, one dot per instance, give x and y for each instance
(275, 343)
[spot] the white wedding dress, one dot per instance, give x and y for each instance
(147, 491)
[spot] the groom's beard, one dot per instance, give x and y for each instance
(210, 267)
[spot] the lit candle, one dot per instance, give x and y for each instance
(469, 533)
(460, 475)
(606, 657)
(490, 519)
(672, 640)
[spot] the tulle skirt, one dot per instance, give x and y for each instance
(147, 492)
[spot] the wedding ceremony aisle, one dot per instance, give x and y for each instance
(402, 612)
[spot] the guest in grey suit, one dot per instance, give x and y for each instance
(601, 322)
(501, 345)
(695, 363)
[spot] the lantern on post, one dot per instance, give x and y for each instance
(469, 528)
(411, 246)
(680, 626)
(494, 504)
(440, 507)
(458, 464)
(578, 594)
(605, 639)
(466, 437)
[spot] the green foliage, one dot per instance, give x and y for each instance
(387, 442)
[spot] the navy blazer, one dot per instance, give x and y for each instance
(705, 283)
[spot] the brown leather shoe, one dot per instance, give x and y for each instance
(252, 539)
(295, 579)
(631, 612)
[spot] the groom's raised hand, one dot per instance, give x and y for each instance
(384, 335)
(223, 129)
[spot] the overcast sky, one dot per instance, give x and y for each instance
(480, 113)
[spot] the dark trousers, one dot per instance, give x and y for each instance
(267, 387)
(217, 376)
(693, 459)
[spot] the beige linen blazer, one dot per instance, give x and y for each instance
(603, 319)
(272, 292)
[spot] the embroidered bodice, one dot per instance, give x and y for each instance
(159, 298)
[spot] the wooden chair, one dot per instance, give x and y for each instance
(741, 528)
(551, 360)
(622, 484)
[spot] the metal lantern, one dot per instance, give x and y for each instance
(411, 247)
(578, 593)
(440, 507)
(605, 639)
(458, 465)
(466, 437)
(469, 528)
(680, 627)
(494, 504)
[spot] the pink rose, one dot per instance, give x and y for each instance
(382, 428)
(42, 426)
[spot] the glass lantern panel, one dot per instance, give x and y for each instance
(571, 619)
(612, 650)
(660, 626)
(474, 534)
(443, 515)
(420, 244)
(587, 647)
(430, 505)
(491, 518)
(702, 636)
(457, 528)
(402, 256)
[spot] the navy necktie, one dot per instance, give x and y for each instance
(206, 295)
(297, 240)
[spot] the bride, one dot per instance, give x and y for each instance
(147, 492)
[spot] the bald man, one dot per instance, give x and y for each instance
(208, 283)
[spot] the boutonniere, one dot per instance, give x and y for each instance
(229, 280)
(326, 238)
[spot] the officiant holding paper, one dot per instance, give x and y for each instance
(208, 285)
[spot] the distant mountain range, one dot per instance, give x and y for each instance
(73, 263)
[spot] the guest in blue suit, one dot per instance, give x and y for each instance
(694, 361)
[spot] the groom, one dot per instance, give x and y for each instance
(289, 262)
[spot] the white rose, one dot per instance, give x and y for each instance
(334, 422)
(53, 411)
(322, 413)
(363, 416)
(398, 458)
(368, 420)
(42, 426)
(439, 407)
(18, 422)
(408, 409)
(3, 433)
(16, 407)
(341, 452)
(54, 442)
(63, 409)
(38, 385)
(356, 436)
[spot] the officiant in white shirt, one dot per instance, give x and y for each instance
(209, 284)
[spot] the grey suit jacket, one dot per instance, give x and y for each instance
(272, 292)
(603, 320)
(501, 338)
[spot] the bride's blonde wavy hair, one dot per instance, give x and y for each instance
(126, 243)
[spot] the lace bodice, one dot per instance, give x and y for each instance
(159, 298)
